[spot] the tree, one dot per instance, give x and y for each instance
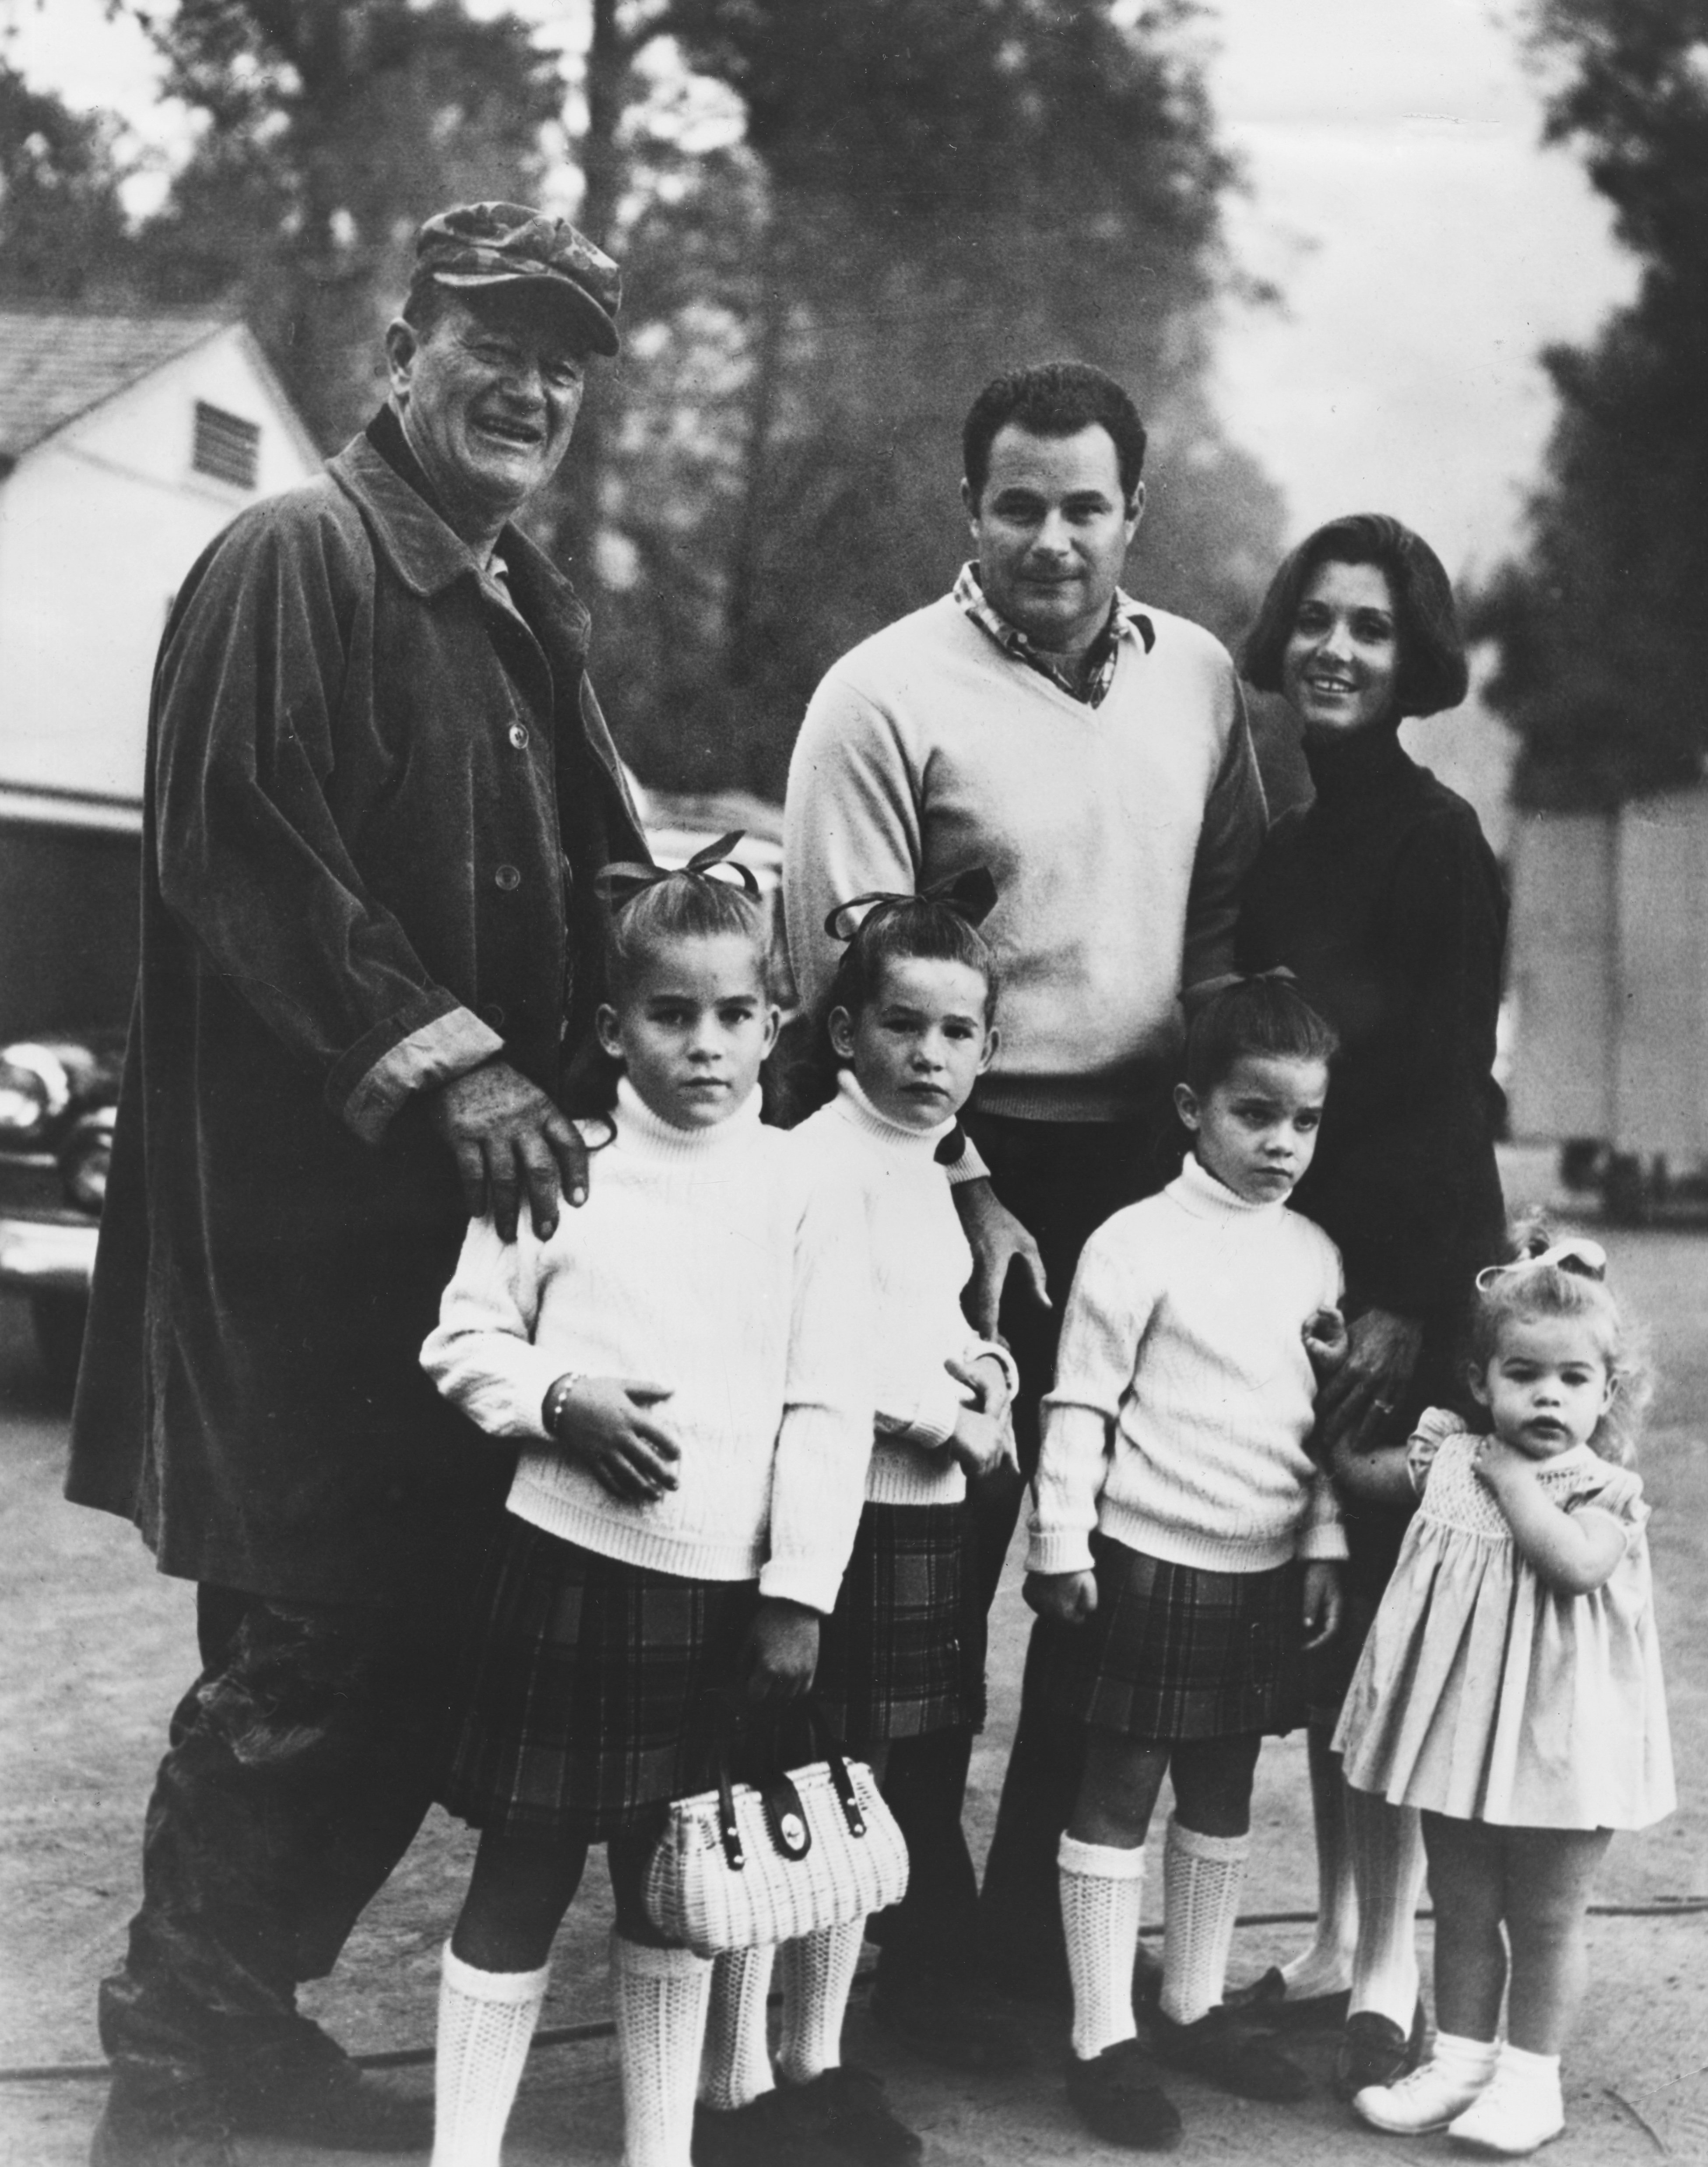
(898, 197)
(332, 128)
(1602, 637)
(932, 189)
(63, 234)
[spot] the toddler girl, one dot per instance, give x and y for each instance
(907, 1024)
(684, 1362)
(1175, 1495)
(1511, 1688)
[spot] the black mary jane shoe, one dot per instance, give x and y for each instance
(1264, 2001)
(1233, 2057)
(1374, 2050)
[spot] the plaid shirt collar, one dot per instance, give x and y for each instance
(1126, 622)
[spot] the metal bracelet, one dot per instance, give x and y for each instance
(556, 1394)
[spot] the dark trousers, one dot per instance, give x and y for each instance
(298, 1770)
(1062, 1180)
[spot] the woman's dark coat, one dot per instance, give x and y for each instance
(1384, 899)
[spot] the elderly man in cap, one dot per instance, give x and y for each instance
(378, 788)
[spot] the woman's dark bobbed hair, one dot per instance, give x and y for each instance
(1432, 672)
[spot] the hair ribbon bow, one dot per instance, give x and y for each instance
(1586, 1260)
(620, 883)
(970, 894)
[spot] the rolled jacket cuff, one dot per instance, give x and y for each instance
(447, 1044)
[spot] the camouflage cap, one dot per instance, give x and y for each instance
(502, 244)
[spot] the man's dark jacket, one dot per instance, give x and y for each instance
(375, 801)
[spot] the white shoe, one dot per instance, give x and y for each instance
(1516, 2115)
(1427, 2100)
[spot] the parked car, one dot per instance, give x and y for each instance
(58, 1094)
(57, 1099)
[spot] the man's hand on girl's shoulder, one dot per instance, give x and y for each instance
(1066, 1598)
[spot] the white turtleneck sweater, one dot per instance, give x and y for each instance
(714, 1261)
(920, 1262)
(1183, 1392)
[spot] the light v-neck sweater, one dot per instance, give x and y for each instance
(920, 1263)
(1183, 1392)
(1118, 836)
(721, 1264)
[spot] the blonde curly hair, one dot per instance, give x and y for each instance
(1534, 1286)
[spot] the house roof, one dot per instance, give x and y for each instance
(57, 363)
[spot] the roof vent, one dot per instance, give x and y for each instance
(226, 447)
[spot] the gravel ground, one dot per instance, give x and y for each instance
(102, 1646)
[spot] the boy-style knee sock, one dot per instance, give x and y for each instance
(1387, 1867)
(1202, 1878)
(660, 1996)
(816, 1973)
(486, 2022)
(1102, 1890)
(737, 2066)
(1326, 1966)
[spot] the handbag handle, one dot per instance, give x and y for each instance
(835, 1755)
(784, 1816)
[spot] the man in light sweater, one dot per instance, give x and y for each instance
(1094, 754)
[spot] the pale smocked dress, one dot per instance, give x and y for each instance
(1483, 1694)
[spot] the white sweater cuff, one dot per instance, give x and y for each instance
(999, 1354)
(1058, 1549)
(969, 1167)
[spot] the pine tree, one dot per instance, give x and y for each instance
(1602, 635)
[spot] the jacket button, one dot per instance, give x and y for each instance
(519, 735)
(493, 1013)
(508, 878)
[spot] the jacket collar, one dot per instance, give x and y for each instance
(426, 555)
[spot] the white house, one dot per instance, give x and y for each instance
(127, 441)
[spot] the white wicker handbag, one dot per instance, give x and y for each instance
(744, 1864)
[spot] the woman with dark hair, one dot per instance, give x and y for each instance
(1384, 899)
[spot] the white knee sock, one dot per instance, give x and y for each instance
(486, 2021)
(1202, 1878)
(1326, 1966)
(1102, 1890)
(1387, 1866)
(660, 1996)
(737, 2066)
(816, 1973)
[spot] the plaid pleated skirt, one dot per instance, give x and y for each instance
(1171, 1652)
(579, 1705)
(900, 1657)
